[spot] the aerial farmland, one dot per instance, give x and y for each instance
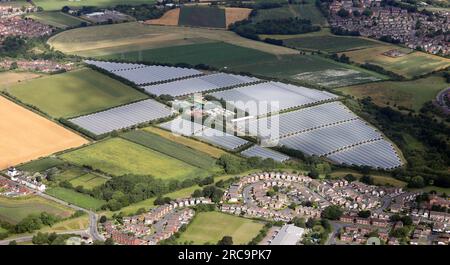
(223, 123)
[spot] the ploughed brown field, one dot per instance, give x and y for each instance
(25, 135)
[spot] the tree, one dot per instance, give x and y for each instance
(197, 193)
(13, 66)
(349, 177)
(313, 174)
(299, 221)
(102, 219)
(416, 182)
(364, 214)
(367, 179)
(109, 241)
(13, 242)
(226, 241)
(332, 212)
(343, 13)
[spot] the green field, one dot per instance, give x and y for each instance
(412, 64)
(75, 198)
(410, 94)
(308, 10)
(88, 181)
(56, 19)
(119, 157)
(125, 37)
(210, 227)
(75, 93)
(197, 145)
(58, 4)
(328, 42)
(219, 54)
(202, 16)
(172, 149)
(69, 174)
(13, 210)
(41, 164)
(240, 59)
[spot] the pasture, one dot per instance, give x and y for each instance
(172, 149)
(119, 157)
(125, 37)
(13, 210)
(202, 16)
(210, 227)
(412, 64)
(58, 4)
(88, 181)
(41, 164)
(25, 136)
(8, 79)
(56, 19)
(410, 94)
(75, 93)
(197, 145)
(75, 198)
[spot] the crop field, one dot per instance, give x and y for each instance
(41, 164)
(75, 93)
(234, 14)
(119, 157)
(210, 227)
(172, 149)
(410, 65)
(13, 210)
(201, 16)
(170, 18)
(8, 79)
(125, 37)
(308, 10)
(25, 136)
(88, 181)
(197, 145)
(308, 68)
(219, 54)
(56, 19)
(75, 198)
(325, 41)
(410, 94)
(311, 69)
(58, 4)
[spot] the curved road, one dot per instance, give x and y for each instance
(91, 230)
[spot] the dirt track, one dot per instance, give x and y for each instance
(25, 136)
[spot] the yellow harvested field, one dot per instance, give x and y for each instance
(8, 79)
(124, 37)
(25, 135)
(170, 18)
(234, 14)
